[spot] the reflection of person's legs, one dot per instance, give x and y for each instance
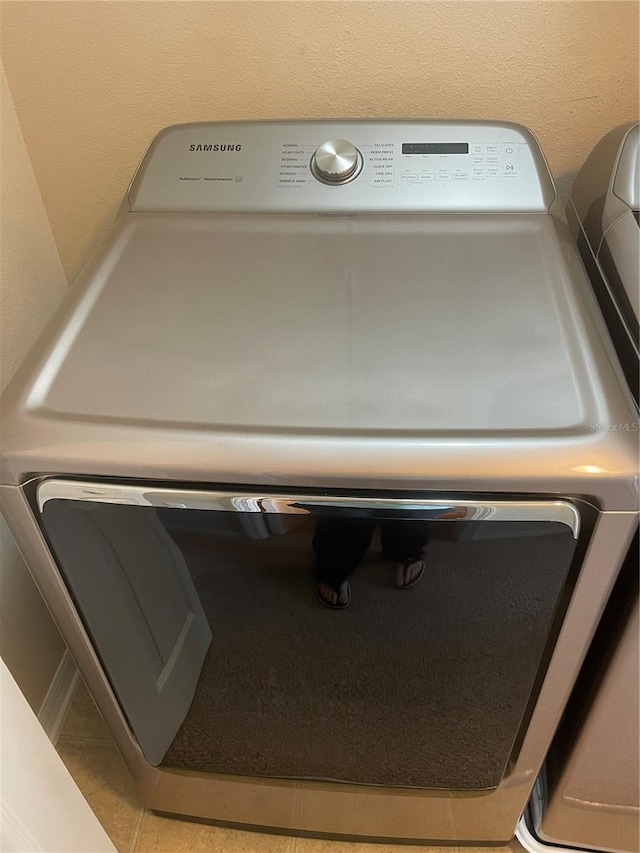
(403, 541)
(340, 544)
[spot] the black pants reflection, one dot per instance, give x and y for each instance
(341, 543)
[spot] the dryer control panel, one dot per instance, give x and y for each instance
(344, 167)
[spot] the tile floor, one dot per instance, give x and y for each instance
(89, 753)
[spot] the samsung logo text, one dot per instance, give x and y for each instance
(215, 147)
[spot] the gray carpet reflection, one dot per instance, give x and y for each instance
(424, 687)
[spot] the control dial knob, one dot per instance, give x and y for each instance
(336, 162)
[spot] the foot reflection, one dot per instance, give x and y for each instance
(340, 545)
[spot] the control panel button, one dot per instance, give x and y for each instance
(336, 162)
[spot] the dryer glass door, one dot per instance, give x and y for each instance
(204, 607)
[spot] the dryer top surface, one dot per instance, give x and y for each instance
(419, 324)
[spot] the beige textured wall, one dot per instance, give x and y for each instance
(94, 81)
(32, 285)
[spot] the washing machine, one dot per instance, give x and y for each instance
(588, 795)
(604, 216)
(355, 356)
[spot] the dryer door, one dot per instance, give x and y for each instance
(427, 679)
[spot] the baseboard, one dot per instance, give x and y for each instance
(56, 703)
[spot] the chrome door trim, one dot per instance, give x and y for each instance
(443, 509)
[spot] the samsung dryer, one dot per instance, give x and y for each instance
(368, 340)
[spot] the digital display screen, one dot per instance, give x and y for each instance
(435, 147)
